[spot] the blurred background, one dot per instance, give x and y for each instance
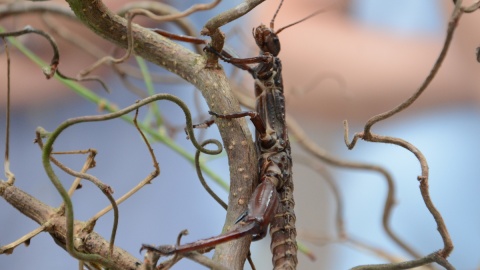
(381, 51)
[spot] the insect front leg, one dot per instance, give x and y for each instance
(241, 63)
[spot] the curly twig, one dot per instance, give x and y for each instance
(53, 68)
(368, 136)
(452, 24)
(202, 180)
(142, 183)
(106, 189)
(58, 185)
(316, 151)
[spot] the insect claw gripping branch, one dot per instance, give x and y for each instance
(272, 202)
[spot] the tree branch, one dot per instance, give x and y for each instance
(216, 90)
(91, 242)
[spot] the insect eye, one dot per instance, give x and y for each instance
(273, 44)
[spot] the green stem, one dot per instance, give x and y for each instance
(48, 147)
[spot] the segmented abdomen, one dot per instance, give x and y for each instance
(282, 228)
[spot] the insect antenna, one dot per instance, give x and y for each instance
(275, 15)
(299, 21)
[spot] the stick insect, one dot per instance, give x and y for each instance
(272, 202)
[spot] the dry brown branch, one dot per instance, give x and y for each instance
(53, 69)
(368, 136)
(54, 224)
(321, 154)
(211, 28)
(452, 25)
(433, 257)
(6, 164)
(227, 16)
(89, 163)
(377, 251)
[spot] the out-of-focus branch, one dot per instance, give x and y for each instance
(433, 257)
(441, 255)
(367, 135)
(23, 7)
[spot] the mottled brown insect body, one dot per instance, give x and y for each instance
(272, 202)
(275, 163)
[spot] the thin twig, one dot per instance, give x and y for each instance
(6, 163)
(230, 15)
(49, 71)
(58, 185)
(452, 25)
(202, 179)
(212, 193)
(433, 257)
(56, 182)
(377, 251)
(106, 189)
(368, 136)
(8, 249)
(175, 16)
(193, 255)
(76, 40)
(312, 148)
(163, 9)
(89, 163)
(112, 60)
(205, 261)
(142, 183)
(212, 26)
(130, 40)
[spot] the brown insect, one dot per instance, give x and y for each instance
(272, 202)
